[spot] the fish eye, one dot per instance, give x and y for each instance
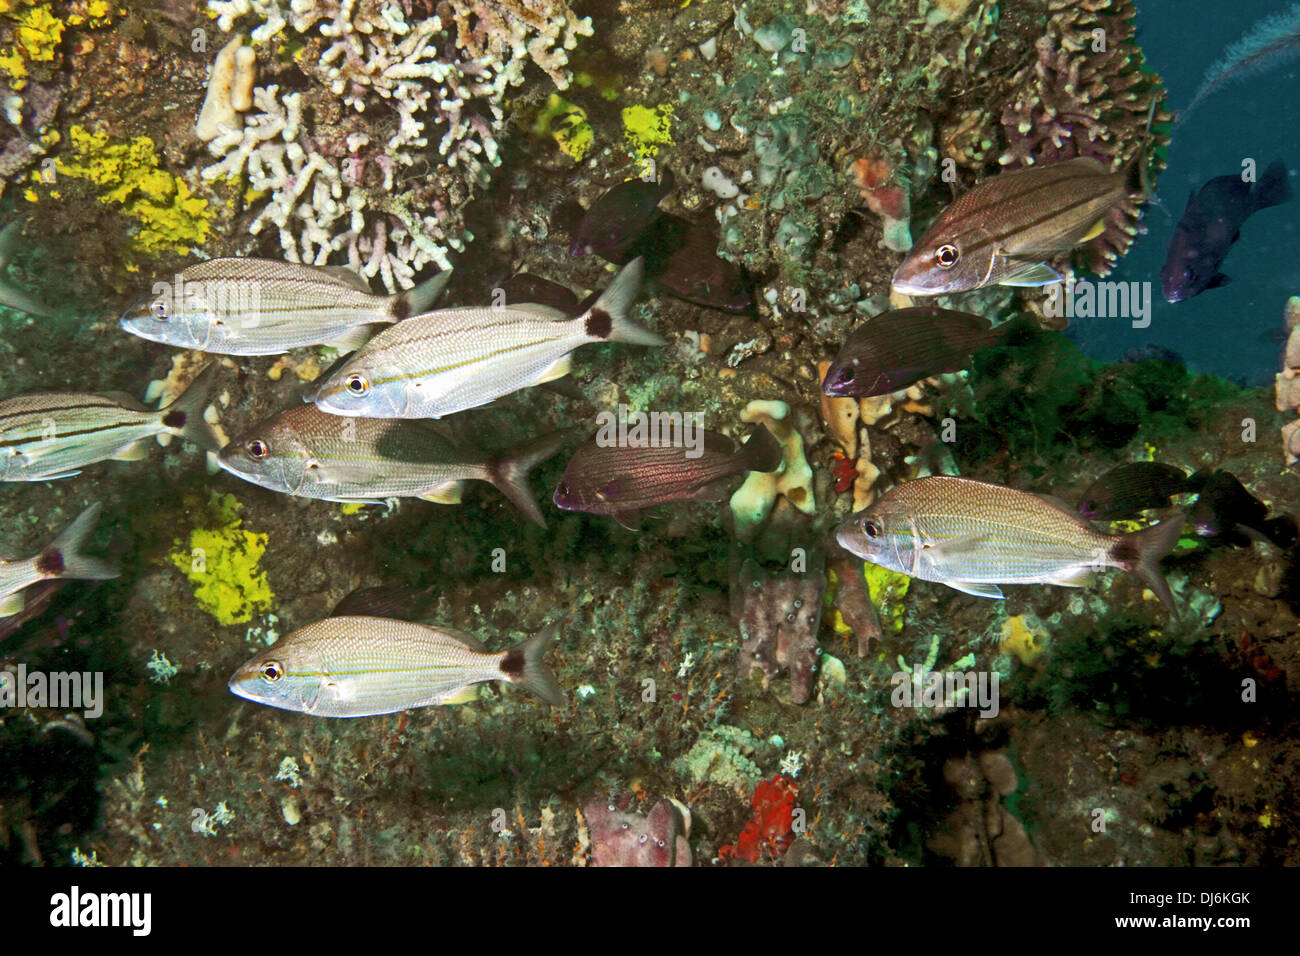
(257, 449)
(271, 671)
(947, 255)
(846, 375)
(159, 310)
(356, 384)
(563, 489)
(870, 528)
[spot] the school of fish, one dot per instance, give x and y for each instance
(381, 423)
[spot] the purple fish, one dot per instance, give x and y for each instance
(1226, 513)
(899, 348)
(1128, 489)
(622, 481)
(1211, 223)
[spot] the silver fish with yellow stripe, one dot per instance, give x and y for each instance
(245, 306)
(61, 558)
(973, 536)
(312, 454)
(43, 437)
(363, 666)
(1004, 228)
(454, 359)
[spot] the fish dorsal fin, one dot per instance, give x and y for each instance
(344, 274)
(464, 637)
(982, 589)
(127, 400)
(1057, 503)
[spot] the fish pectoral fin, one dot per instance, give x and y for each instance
(1075, 578)
(447, 493)
(558, 370)
(136, 451)
(628, 519)
(351, 340)
(1097, 229)
(1022, 273)
(1219, 281)
(66, 474)
(953, 546)
(339, 473)
(12, 604)
(978, 588)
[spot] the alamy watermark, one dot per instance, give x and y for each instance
(630, 429)
(1088, 298)
(922, 688)
(238, 301)
(63, 690)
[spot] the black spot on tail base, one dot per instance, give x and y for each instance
(599, 324)
(50, 562)
(175, 419)
(1126, 553)
(512, 665)
(401, 308)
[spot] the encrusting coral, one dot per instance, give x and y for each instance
(441, 83)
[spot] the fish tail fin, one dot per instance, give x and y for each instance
(1141, 551)
(608, 319)
(510, 474)
(1282, 531)
(1274, 188)
(417, 300)
(762, 452)
(64, 558)
(184, 417)
(523, 665)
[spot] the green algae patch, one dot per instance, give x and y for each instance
(567, 124)
(887, 589)
(169, 218)
(646, 129)
(222, 565)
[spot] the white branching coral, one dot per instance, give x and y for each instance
(422, 84)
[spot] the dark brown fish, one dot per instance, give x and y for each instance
(1125, 491)
(615, 220)
(899, 348)
(1226, 513)
(522, 288)
(682, 258)
(623, 481)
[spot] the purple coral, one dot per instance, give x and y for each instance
(778, 614)
(1088, 93)
(620, 838)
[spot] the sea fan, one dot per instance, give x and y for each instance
(1271, 40)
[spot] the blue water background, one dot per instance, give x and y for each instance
(1231, 331)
